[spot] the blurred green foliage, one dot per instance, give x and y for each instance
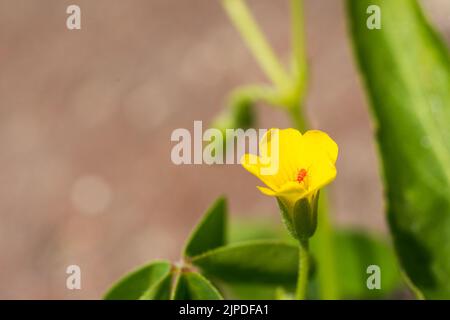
(260, 261)
(355, 249)
(406, 69)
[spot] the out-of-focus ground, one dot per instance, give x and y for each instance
(86, 118)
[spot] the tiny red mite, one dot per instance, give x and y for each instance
(301, 175)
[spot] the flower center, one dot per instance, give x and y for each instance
(301, 175)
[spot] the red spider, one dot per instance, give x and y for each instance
(301, 175)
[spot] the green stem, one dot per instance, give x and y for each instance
(299, 62)
(244, 22)
(303, 271)
(257, 93)
(324, 252)
(298, 39)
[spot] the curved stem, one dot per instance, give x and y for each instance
(244, 22)
(303, 271)
(256, 93)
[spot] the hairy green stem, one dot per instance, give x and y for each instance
(303, 270)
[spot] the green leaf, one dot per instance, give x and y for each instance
(193, 286)
(264, 262)
(160, 290)
(210, 232)
(148, 281)
(246, 229)
(406, 68)
(357, 250)
(249, 291)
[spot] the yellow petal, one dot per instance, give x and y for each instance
(290, 151)
(318, 144)
(253, 164)
(322, 173)
(281, 149)
(267, 191)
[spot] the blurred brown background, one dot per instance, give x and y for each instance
(86, 118)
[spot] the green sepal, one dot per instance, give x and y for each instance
(302, 221)
(287, 219)
(305, 217)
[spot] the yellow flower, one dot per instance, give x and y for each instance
(304, 164)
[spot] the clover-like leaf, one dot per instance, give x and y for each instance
(193, 286)
(210, 232)
(264, 262)
(147, 282)
(160, 290)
